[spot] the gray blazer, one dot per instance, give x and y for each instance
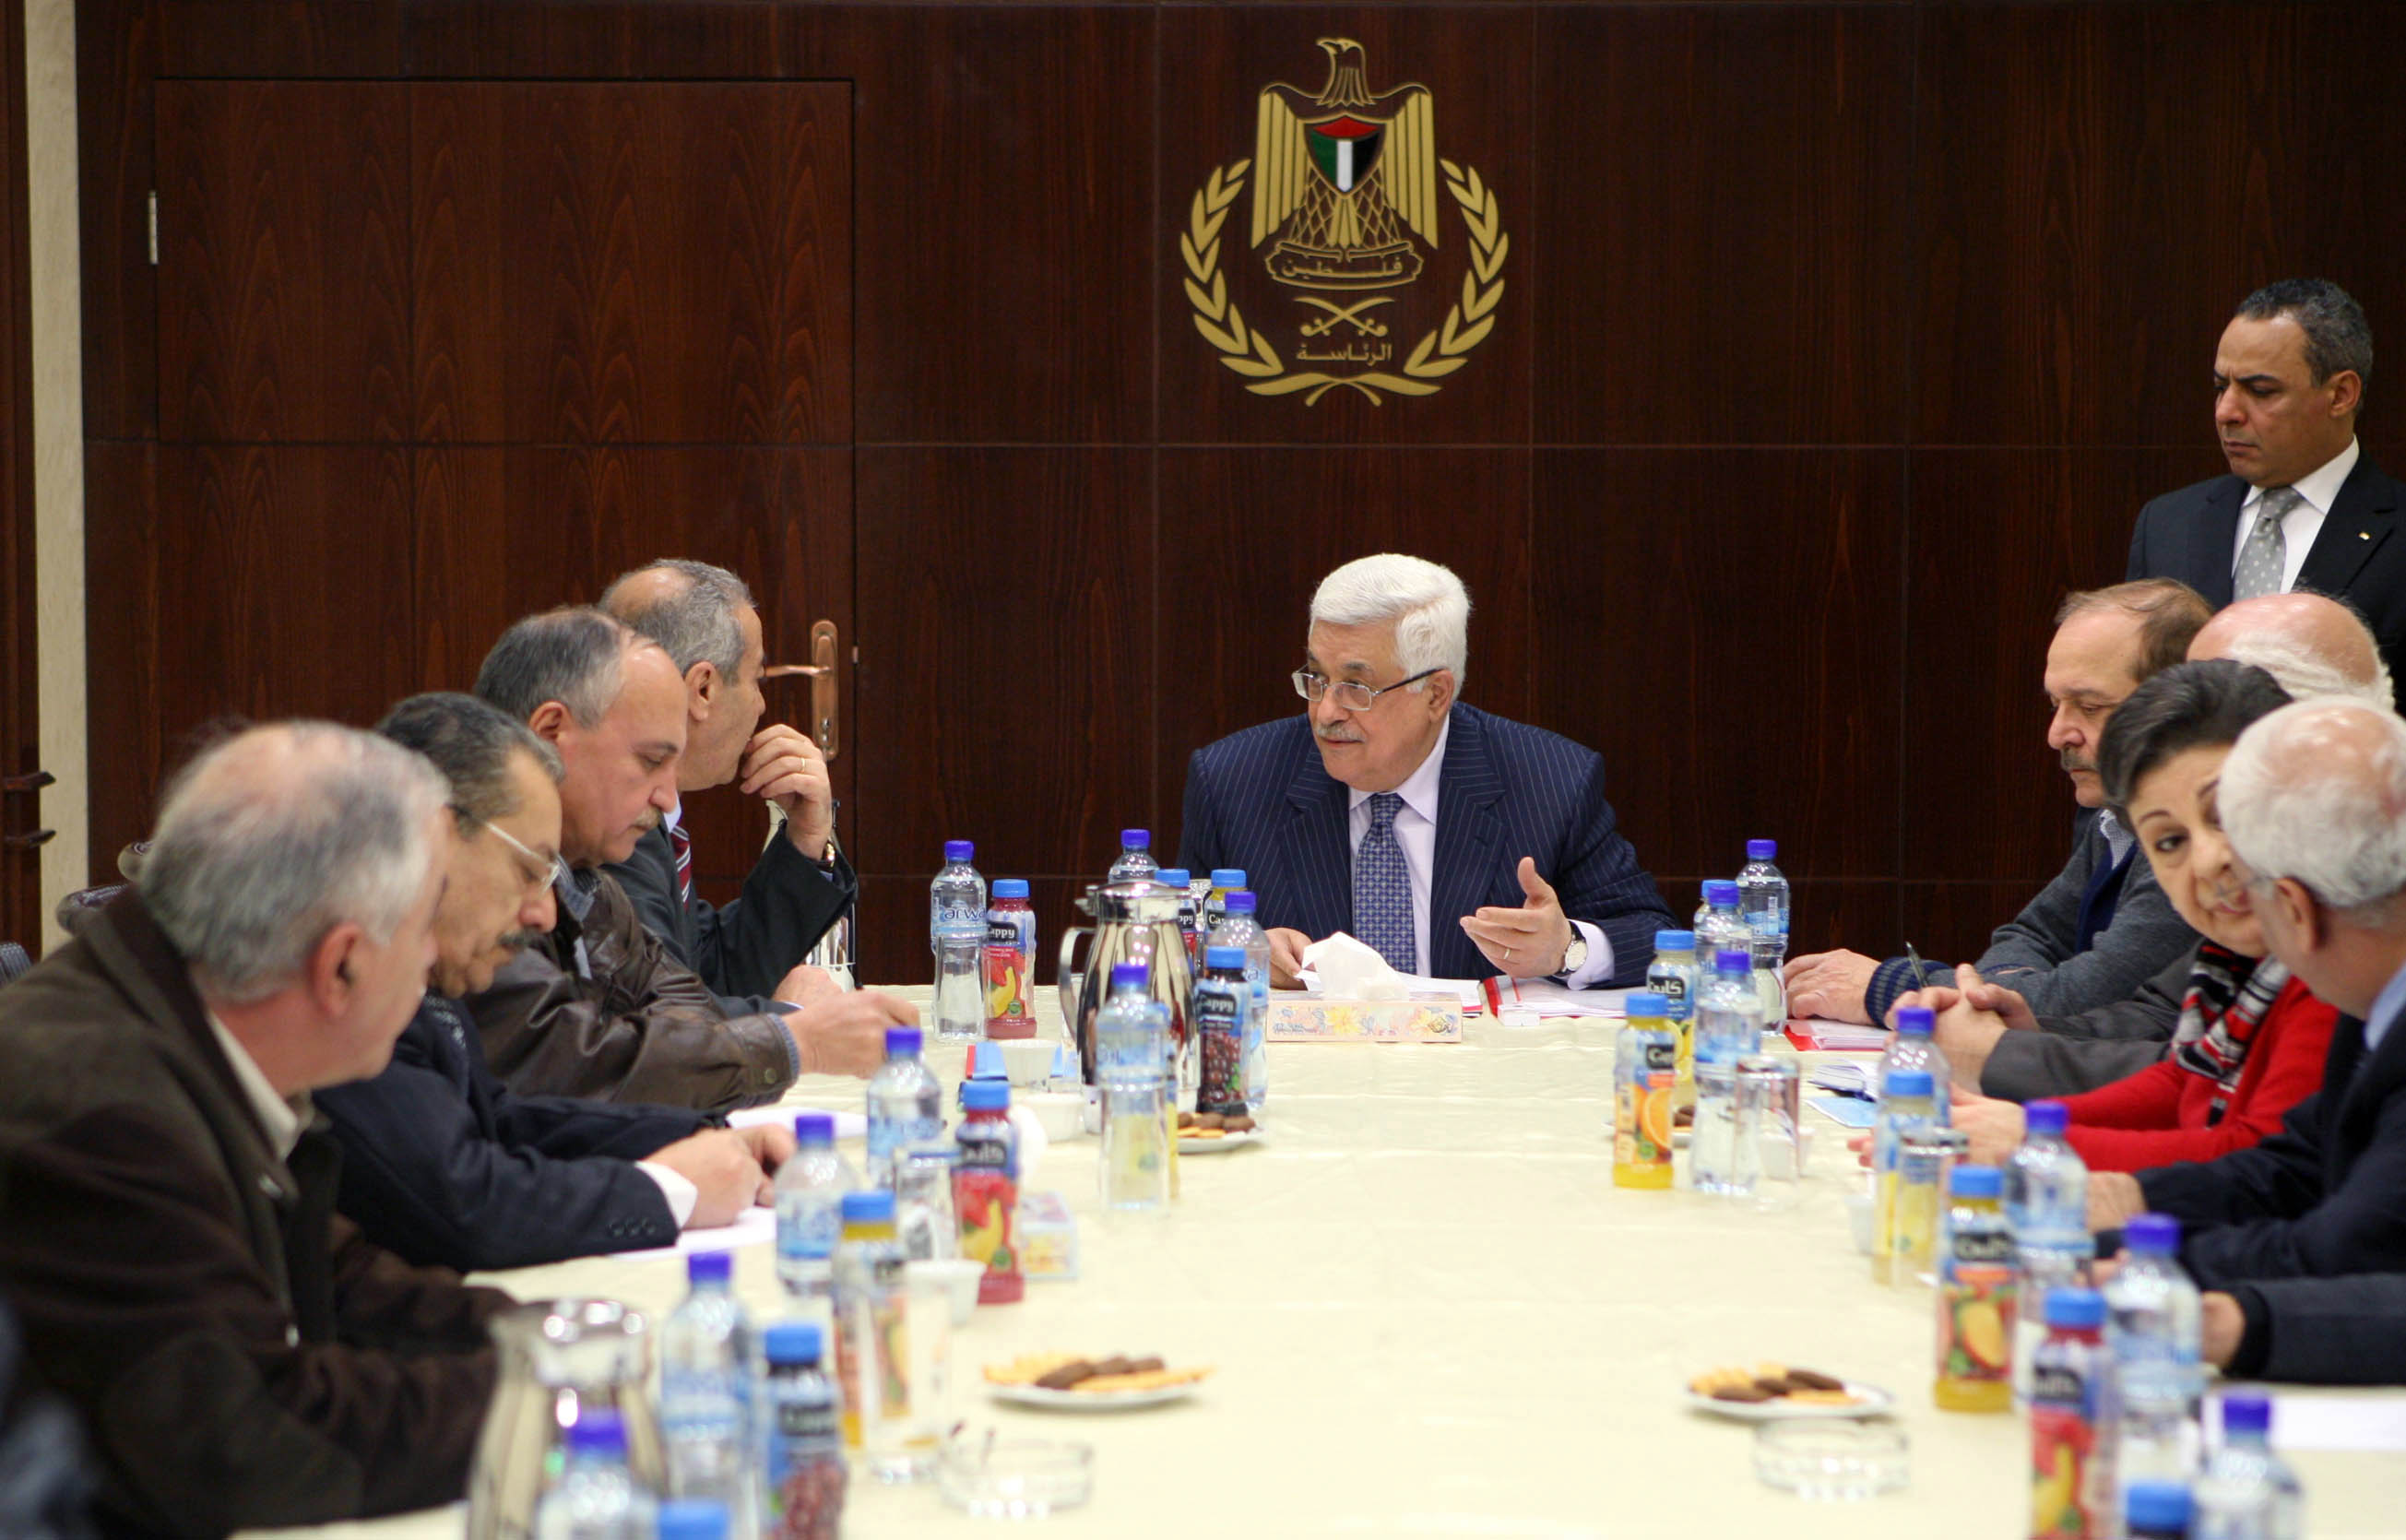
(2070, 1055)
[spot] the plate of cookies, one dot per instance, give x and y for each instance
(1076, 1382)
(1214, 1133)
(1773, 1392)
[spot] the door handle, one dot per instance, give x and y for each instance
(27, 783)
(31, 839)
(821, 672)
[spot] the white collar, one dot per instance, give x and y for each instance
(1420, 789)
(280, 1118)
(670, 819)
(2319, 487)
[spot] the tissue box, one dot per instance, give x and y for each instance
(1048, 1238)
(1325, 1019)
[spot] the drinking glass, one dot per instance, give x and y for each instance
(1770, 1132)
(924, 1220)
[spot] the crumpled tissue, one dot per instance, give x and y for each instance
(1351, 971)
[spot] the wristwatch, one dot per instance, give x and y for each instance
(1575, 955)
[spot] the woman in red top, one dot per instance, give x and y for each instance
(2251, 1039)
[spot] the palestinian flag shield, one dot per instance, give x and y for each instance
(1344, 149)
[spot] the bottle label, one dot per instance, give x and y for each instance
(1220, 1011)
(2072, 1487)
(1976, 1325)
(986, 1197)
(807, 1230)
(1008, 977)
(1984, 1248)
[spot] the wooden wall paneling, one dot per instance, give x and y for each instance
(20, 813)
(1721, 250)
(1474, 62)
(1999, 537)
(1247, 535)
(278, 38)
(123, 710)
(603, 39)
(117, 55)
(284, 270)
(1952, 922)
(1003, 159)
(1721, 627)
(1007, 681)
(503, 532)
(633, 262)
(892, 923)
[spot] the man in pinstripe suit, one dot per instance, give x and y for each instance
(1458, 844)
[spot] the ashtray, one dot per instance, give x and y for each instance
(1833, 1461)
(987, 1475)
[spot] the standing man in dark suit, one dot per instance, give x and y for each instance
(1456, 844)
(705, 618)
(2304, 506)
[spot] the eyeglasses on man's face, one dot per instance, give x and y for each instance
(535, 870)
(1353, 697)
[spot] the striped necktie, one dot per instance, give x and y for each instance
(683, 843)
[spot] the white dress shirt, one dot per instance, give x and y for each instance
(2317, 491)
(2386, 1007)
(1416, 834)
(279, 1117)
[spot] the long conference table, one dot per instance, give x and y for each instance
(1431, 1313)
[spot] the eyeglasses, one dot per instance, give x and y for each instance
(536, 870)
(1346, 693)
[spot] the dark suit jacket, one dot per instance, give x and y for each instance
(1260, 800)
(2358, 556)
(2070, 1055)
(444, 1166)
(744, 949)
(2323, 1197)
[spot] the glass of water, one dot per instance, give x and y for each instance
(1770, 1137)
(924, 1219)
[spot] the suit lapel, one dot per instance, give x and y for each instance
(1318, 852)
(2214, 537)
(2377, 1073)
(2361, 518)
(1468, 831)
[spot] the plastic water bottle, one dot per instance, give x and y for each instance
(810, 1191)
(1763, 902)
(596, 1497)
(957, 886)
(1728, 1027)
(1241, 930)
(956, 919)
(2156, 1326)
(2046, 1199)
(1721, 927)
(906, 1104)
(706, 1394)
(872, 1342)
(1131, 1061)
(2247, 1491)
(1912, 1047)
(802, 1468)
(1905, 1105)
(696, 1519)
(1136, 862)
(2154, 1510)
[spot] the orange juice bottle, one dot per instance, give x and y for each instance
(1645, 1079)
(1975, 1297)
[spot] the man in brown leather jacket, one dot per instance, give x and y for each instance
(600, 1007)
(240, 1356)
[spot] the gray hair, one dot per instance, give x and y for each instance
(1428, 604)
(272, 838)
(575, 656)
(2337, 337)
(2298, 801)
(471, 743)
(695, 620)
(2307, 674)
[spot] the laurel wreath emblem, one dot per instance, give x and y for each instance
(1249, 353)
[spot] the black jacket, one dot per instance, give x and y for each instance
(442, 1165)
(2323, 1331)
(2325, 1197)
(2358, 554)
(2070, 1055)
(744, 950)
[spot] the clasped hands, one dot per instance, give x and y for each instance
(1529, 941)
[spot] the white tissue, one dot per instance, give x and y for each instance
(1351, 971)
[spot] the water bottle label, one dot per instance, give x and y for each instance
(810, 1236)
(960, 917)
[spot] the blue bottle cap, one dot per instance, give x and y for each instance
(2151, 1234)
(958, 850)
(2082, 1309)
(598, 1430)
(792, 1342)
(1908, 1082)
(1916, 1021)
(903, 1042)
(1174, 877)
(1127, 976)
(1761, 850)
(1010, 887)
(2246, 1412)
(1242, 901)
(870, 1208)
(1719, 891)
(2046, 1116)
(986, 1095)
(985, 1058)
(1227, 877)
(692, 1519)
(2162, 1507)
(1135, 839)
(813, 1129)
(1976, 1181)
(1224, 956)
(1647, 1003)
(1674, 941)
(1726, 961)
(709, 1267)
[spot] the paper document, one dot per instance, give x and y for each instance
(848, 1125)
(1850, 1111)
(755, 1226)
(1848, 1079)
(1846, 1037)
(1553, 999)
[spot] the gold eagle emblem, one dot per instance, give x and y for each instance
(1339, 177)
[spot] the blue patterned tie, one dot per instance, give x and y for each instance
(1382, 889)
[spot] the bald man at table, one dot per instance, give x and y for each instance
(1458, 844)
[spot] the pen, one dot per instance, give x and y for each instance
(1921, 973)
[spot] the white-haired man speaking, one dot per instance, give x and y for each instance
(1457, 843)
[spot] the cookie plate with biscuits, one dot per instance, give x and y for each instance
(1076, 1382)
(1773, 1392)
(1211, 1134)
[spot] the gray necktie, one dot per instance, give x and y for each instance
(2267, 552)
(1382, 889)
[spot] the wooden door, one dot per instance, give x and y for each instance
(21, 775)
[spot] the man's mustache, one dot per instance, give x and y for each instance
(2074, 762)
(519, 941)
(1337, 735)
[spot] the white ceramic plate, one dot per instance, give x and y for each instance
(1090, 1400)
(1220, 1146)
(1870, 1401)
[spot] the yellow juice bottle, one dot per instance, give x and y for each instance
(1645, 1080)
(1975, 1297)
